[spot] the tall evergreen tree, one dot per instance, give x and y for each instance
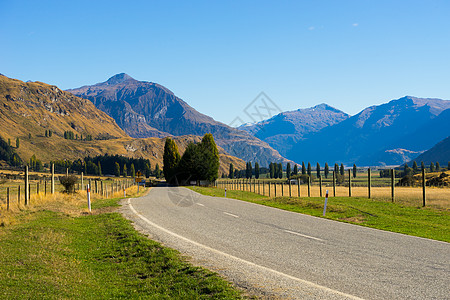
(354, 171)
(326, 170)
(257, 170)
(336, 168)
(231, 171)
(295, 169)
(309, 171)
(248, 171)
(432, 167)
(211, 157)
(288, 170)
(271, 170)
(415, 167)
(99, 169)
(117, 169)
(438, 166)
(303, 168)
(171, 158)
(132, 171)
(280, 170)
(318, 170)
(422, 165)
(342, 170)
(124, 170)
(17, 143)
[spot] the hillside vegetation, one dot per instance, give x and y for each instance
(30, 110)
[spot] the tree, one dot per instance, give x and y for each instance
(415, 167)
(271, 170)
(303, 168)
(342, 169)
(438, 166)
(132, 171)
(210, 154)
(231, 171)
(280, 170)
(336, 169)
(318, 170)
(171, 158)
(9, 142)
(431, 167)
(288, 170)
(46, 133)
(309, 169)
(422, 165)
(256, 170)
(295, 169)
(117, 170)
(147, 170)
(354, 171)
(50, 133)
(69, 183)
(99, 168)
(407, 170)
(17, 143)
(157, 171)
(124, 170)
(326, 170)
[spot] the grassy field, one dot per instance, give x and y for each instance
(428, 222)
(56, 249)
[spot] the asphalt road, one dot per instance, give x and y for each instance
(275, 253)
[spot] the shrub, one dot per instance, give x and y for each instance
(68, 182)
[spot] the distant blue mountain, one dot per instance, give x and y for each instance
(390, 133)
(288, 128)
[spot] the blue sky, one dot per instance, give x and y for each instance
(219, 55)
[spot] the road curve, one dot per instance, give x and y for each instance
(276, 253)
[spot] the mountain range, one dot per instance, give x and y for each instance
(146, 109)
(286, 129)
(28, 110)
(387, 134)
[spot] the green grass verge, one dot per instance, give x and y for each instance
(423, 222)
(101, 256)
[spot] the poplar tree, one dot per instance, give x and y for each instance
(318, 170)
(171, 158)
(132, 170)
(326, 170)
(354, 171)
(303, 168)
(256, 170)
(231, 171)
(288, 170)
(342, 169)
(309, 169)
(295, 169)
(117, 169)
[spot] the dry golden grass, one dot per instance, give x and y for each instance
(69, 204)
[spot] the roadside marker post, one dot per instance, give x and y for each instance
(225, 192)
(124, 193)
(325, 206)
(89, 197)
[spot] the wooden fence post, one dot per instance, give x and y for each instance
(423, 187)
(18, 196)
(309, 186)
(282, 189)
(290, 191)
(7, 198)
(275, 188)
(82, 181)
(27, 190)
(392, 184)
(320, 185)
(369, 182)
(334, 184)
(53, 179)
(349, 183)
(298, 186)
(269, 188)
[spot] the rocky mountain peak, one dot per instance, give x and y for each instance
(119, 78)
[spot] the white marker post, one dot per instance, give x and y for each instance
(124, 193)
(325, 206)
(225, 192)
(88, 197)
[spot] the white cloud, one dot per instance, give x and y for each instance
(355, 24)
(311, 28)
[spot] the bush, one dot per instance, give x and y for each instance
(69, 183)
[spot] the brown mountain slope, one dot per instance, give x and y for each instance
(33, 108)
(147, 109)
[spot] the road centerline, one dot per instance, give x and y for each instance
(304, 235)
(234, 216)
